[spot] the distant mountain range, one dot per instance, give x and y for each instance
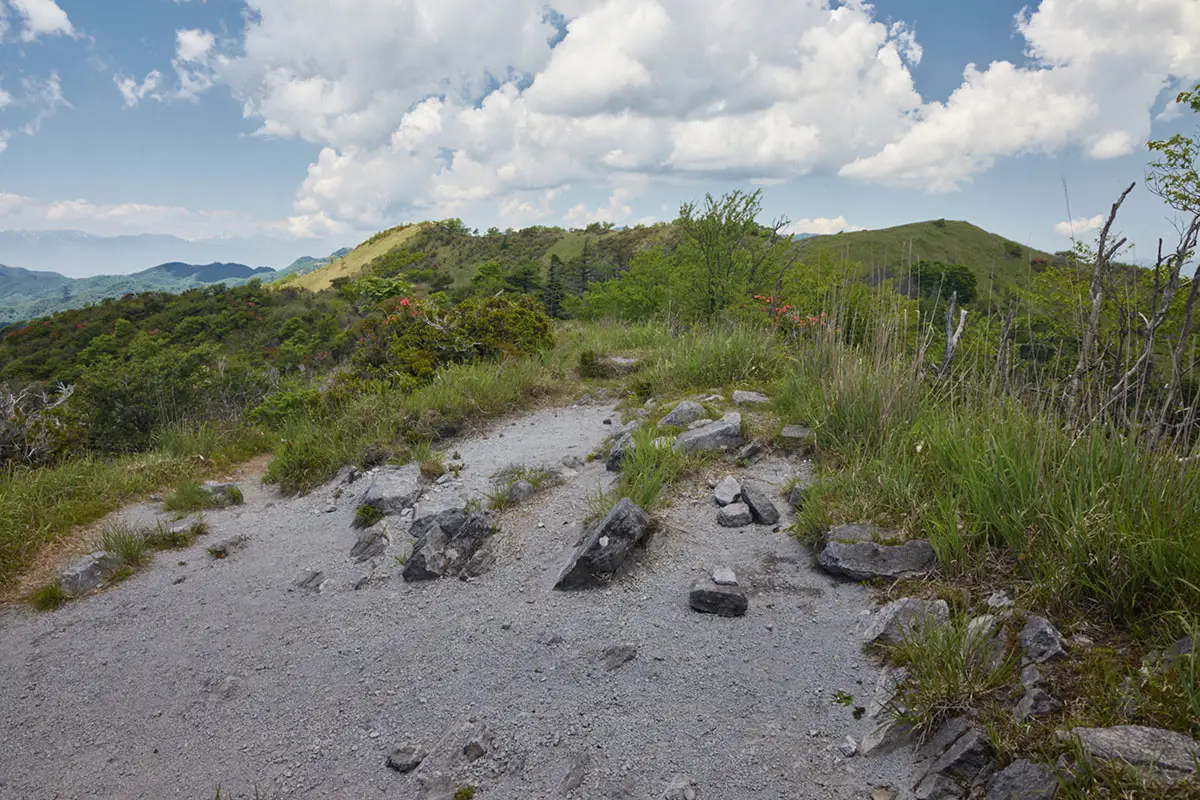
(28, 294)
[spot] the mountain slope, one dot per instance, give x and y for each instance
(356, 260)
(997, 262)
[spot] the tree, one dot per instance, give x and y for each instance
(552, 295)
(935, 279)
(526, 279)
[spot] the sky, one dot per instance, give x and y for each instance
(313, 123)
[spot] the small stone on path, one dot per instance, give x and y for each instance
(741, 398)
(727, 491)
(724, 601)
(735, 515)
(760, 505)
(684, 414)
(1041, 641)
(724, 576)
(617, 656)
(406, 758)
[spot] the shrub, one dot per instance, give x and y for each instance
(49, 597)
(37, 427)
(125, 543)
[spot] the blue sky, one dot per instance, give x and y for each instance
(313, 122)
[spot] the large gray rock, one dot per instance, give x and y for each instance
(741, 398)
(617, 452)
(439, 551)
(87, 574)
(605, 547)
(1171, 755)
(520, 491)
(684, 414)
(393, 489)
(458, 747)
(951, 761)
(1036, 702)
(442, 507)
(727, 491)
(761, 507)
(1041, 641)
(713, 598)
(370, 544)
(899, 619)
(863, 561)
(724, 434)
(735, 515)
(1024, 780)
(883, 709)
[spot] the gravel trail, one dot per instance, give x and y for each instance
(198, 673)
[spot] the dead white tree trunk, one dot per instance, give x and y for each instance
(1104, 254)
(953, 336)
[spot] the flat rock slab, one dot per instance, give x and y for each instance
(727, 491)
(741, 398)
(1171, 755)
(864, 561)
(896, 620)
(796, 434)
(1024, 780)
(759, 503)
(393, 489)
(605, 547)
(87, 574)
(713, 598)
(684, 414)
(724, 434)
(735, 515)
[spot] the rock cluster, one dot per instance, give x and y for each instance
(743, 503)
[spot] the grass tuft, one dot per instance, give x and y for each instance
(49, 597)
(189, 496)
(126, 543)
(366, 516)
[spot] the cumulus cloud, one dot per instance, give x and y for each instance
(1079, 225)
(39, 18)
(1096, 69)
(822, 226)
(437, 107)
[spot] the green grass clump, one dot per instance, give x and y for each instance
(189, 496)
(125, 543)
(465, 793)
(366, 516)
(652, 465)
(49, 597)
(176, 539)
(950, 671)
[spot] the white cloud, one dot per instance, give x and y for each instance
(46, 96)
(821, 225)
(40, 18)
(126, 218)
(195, 60)
(1097, 69)
(616, 211)
(134, 91)
(1079, 225)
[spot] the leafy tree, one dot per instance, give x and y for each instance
(935, 279)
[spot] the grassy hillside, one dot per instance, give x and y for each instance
(997, 262)
(355, 262)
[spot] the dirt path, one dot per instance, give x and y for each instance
(200, 673)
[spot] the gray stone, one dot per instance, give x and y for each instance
(1024, 780)
(741, 398)
(309, 580)
(460, 745)
(735, 515)
(446, 508)
(862, 561)
(796, 497)
(724, 434)
(724, 576)
(727, 491)
(226, 548)
(712, 598)
(223, 495)
(480, 564)
(617, 452)
(1036, 702)
(520, 491)
(886, 737)
(346, 476)
(370, 544)
(885, 699)
(406, 758)
(87, 574)
(1041, 641)
(1180, 648)
(617, 656)
(681, 787)
(952, 760)
(700, 423)
(1031, 676)
(750, 454)
(760, 505)
(438, 552)
(848, 747)
(393, 489)
(572, 778)
(684, 414)
(605, 547)
(796, 435)
(573, 462)
(985, 641)
(901, 618)
(998, 601)
(1171, 755)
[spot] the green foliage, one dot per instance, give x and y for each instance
(126, 543)
(49, 597)
(935, 279)
(189, 497)
(164, 538)
(366, 516)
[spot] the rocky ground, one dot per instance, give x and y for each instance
(200, 673)
(302, 663)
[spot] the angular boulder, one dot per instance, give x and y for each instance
(899, 619)
(750, 454)
(440, 551)
(713, 598)
(741, 398)
(727, 491)
(1171, 755)
(616, 453)
(735, 515)
(520, 491)
(953, 760)
(864, 561)
(1024, 780)
(87, 574)
(605, 547)
(1041, 641)
(684, 414)
(370, 544)
(759, 503)
(1036, 702)
(724, 434)
(796, 435)
(393, 489)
